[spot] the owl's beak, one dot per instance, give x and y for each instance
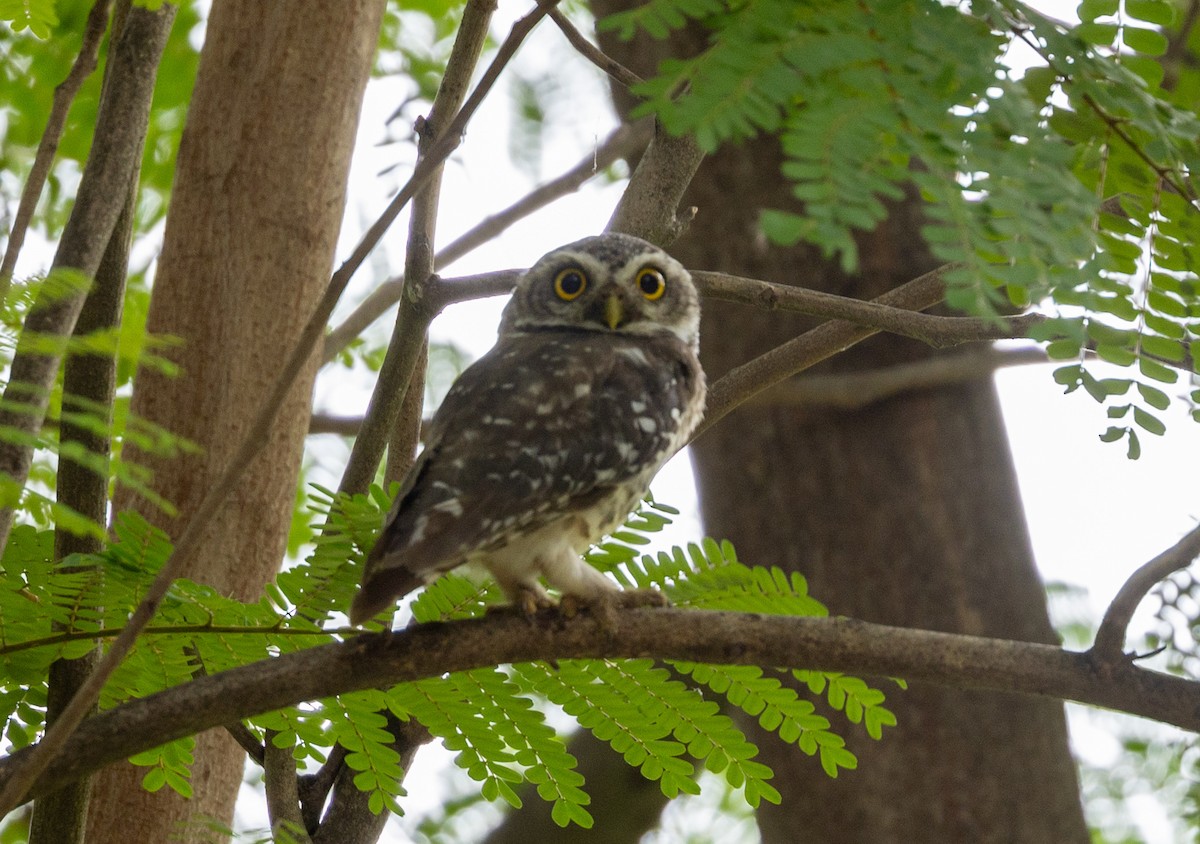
(614, 311)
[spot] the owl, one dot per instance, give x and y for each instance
(547, 442)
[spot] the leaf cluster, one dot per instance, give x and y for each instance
(1012, 166)
(665, 720)
(40, 42)
(131, 347)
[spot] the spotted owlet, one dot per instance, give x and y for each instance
(548, 441)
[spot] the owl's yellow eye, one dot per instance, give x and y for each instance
(569, 284)
(652, 284)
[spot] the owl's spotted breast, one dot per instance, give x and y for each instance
(541, 447)
(542, 427)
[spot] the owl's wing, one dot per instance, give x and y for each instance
(531, 431)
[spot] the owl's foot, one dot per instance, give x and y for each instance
(606, 605)
(528, 600)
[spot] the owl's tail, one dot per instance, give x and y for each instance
(381, 591)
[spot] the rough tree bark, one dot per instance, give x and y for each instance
(250, 240)
(904, 512)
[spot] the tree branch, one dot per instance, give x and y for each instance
(613, 68)
(931, 329)
(648, 207)
(723, 638)
(414, 315)
(812, 347)
(283, 795)
(1110, 637)
(43, 159)
(853, 390)
(61, 818)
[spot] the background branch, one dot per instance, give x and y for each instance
(624, 142)
(723, 638)
(414, 315)
(1110, 637)
(812, 347)
(853, 390)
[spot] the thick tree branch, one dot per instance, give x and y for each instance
(648, 207)
(43, 159)
(625, 141)
(723, 638)
(1110, 637)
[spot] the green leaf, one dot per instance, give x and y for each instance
(1064, 349)
(1148, 422)
(1089, 10)
(1154, 397)
(1146, 41)
(1153, 369)
(1157, 12)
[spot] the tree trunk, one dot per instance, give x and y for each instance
(904, 512)
(257, 204)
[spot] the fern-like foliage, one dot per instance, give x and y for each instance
(1014, 165)
(664, 720)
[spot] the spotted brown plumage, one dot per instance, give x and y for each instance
(548, 441)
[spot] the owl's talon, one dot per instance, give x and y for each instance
(570, 605)
(629, 599)
(528, 601)
(605, 606)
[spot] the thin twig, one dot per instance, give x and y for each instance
(723, 638)
(1110, 637)
(741, 383)
(1177, 53)
(594, 54)
(625, 141)
(43, 159)
(414, 315)
(855, 390)
(931, 329)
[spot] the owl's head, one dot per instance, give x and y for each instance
(611, 283)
